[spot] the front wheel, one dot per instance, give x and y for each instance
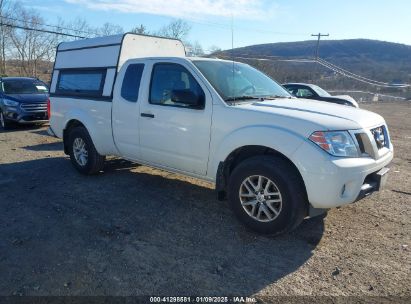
(4, 123)
(267, 194)
(83, 154)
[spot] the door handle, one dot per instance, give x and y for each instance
(147, 115)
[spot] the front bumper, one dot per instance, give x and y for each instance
(374, 182)
(25, 117)
(332, 182)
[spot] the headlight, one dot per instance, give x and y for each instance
(10, 103)
(337, 143)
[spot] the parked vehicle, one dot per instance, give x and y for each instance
(311, 91)
(276, 158)
(22, 100)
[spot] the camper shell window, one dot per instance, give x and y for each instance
(81, 82)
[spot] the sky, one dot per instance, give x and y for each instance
(253, 21)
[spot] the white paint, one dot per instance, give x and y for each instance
(194, 142)
(112, 52)
(96, 57)
(108, 86)
(177, 137)
(138, 46)
(126, 116)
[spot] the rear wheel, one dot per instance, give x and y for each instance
(266, 193)
(83, 154)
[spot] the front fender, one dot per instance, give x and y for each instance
(284, 141)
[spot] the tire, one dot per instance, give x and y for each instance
(4, 123)
(88, 162)
(285, 194)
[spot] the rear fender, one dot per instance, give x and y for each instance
(85, 119)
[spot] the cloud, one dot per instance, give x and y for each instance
(188, 9)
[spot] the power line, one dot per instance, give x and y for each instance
(348, 72)
(332, 67)
(48, 25)
(303, 60)
(362, 79)
(323, 63)
(228, 27)
(39, 30)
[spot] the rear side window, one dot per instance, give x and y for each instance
(131, 82)
(81, 82)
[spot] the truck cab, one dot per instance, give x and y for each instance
(276, 158)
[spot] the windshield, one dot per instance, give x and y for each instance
(239, 81)
(23, 86)
(320, 91)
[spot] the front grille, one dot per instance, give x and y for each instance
(371, 143)
(34, 107)
(380, 137)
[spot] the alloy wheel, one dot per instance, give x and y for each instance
(80, 152)
(260, 198)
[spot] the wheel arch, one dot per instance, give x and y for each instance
(235, 157)
(71, 124)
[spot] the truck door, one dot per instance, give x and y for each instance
(173, 132)
(125, 111)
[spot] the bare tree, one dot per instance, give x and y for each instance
(78, 26)
(5, 13)
(109, 29)
(30, 44)
(194, 49)
(178, 29)
(141, 29)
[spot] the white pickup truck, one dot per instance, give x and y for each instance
(277, 159)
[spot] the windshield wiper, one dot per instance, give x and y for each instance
(260, 98)
(272, 97)
(244, 97)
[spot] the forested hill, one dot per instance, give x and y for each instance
(384, 61)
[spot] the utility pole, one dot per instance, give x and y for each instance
(317, 51)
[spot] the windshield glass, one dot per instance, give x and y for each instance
(239, 80)
(23, 86)
(320, 91)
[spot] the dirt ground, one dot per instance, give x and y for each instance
(138, 231)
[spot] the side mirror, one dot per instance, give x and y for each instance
(188, 97)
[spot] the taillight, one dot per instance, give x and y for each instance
(48, 109)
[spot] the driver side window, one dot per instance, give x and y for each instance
(169, 79)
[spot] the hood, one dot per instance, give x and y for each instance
(28, 98)
(348, 98)
(317, 115)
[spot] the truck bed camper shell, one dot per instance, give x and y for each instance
(107, 55)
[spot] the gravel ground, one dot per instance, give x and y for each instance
(140, 231)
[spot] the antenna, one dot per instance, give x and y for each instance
(232, 50)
